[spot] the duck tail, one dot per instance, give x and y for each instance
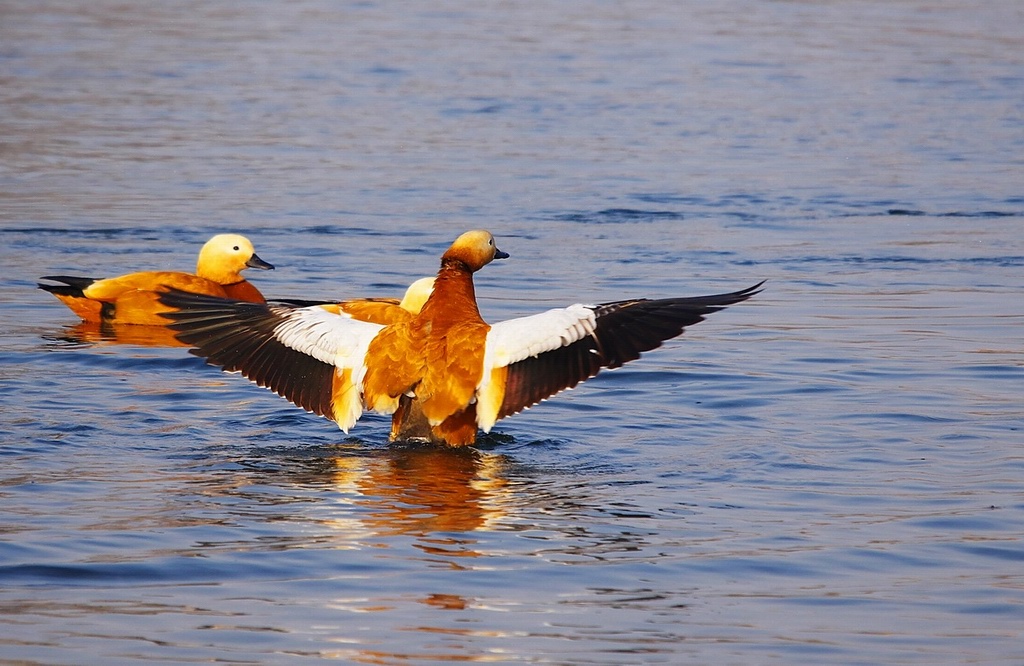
(70, 286)
(70, 294)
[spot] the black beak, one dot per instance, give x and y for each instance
(498, 254)
(256, 262)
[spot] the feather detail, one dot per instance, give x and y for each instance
(573, 349)
(311, 357)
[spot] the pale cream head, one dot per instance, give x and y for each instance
(225, 256)
(475, 248)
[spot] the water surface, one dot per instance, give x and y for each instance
(829, 473)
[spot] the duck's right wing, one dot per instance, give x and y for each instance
(309, 355)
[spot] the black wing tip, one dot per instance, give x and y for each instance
(719, 301)
(238, 336)
(67, 282)
(300, 302)
(744, 294)
(711, 303)
(758, 287)
(754, 289)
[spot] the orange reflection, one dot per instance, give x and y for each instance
(124, 334)
(447, 601)
(426, 490)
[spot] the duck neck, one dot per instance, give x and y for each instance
(453, 291)
(217, 273)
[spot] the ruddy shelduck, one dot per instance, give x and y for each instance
(377, 310)
(132, 298)
(442, 374)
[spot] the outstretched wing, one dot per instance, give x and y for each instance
(532, 358)
(312, 357)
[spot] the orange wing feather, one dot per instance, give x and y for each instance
(394, 366)
(454, 366)
(376, 310)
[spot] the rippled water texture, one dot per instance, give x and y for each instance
(830, 473)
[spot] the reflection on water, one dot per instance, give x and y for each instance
(111, 334)
(421, 491)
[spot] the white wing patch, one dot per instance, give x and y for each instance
(334, 339)
(517, 339)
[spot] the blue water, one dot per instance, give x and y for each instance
(832, 472)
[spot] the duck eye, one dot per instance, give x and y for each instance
(237, 248)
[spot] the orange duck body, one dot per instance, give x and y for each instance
(133, 298)
(438, 356)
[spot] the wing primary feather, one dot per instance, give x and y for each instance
(238, 338)
(622, 331)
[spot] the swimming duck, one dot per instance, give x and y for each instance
(443, 374)
(376, 310)
(131, 298)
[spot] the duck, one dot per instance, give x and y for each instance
(379, 310)
(444, 374)
(131, 298)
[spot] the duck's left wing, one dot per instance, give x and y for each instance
(531, 358)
